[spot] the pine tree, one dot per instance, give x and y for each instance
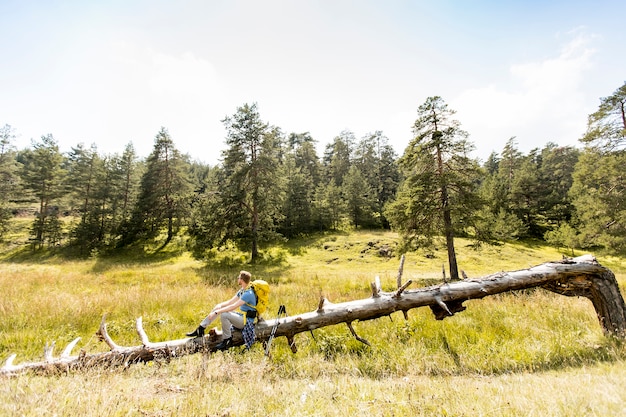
(599, 197)
(9, 179)
(245, 206)
(525, 193)
(306, 157)
(329, 207)
(86, 181)
(43, 174)
(358, 197)
(164, 194)
(302, 173)
(297, 210)
(125, 172)
(599, 187)
(502, 217)
(555, 177)
(438, 195)
(338, 157)
(495, 221)
(376, 160)
(606, 127)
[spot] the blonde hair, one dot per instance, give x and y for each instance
(245, 276)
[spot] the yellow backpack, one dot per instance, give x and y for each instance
(262, 291)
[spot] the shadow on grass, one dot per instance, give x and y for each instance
(215, 270)
(25, 254)
(611, 350)
(224, 271)
(299, 244)
(136, 255)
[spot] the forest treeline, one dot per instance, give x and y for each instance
(270, 185)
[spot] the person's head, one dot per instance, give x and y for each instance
(245, 276)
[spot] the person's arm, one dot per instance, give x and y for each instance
(228, 307)
(234, 306)
(226, 303)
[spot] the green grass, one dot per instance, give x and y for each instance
(526, 353)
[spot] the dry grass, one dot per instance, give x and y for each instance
(224, 385)
(528, 353)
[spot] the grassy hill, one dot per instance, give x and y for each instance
(525, 353)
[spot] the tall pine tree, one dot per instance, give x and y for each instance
(164, 194)
(599, 186)
(438, 196)
(377, 161)
(245, 207)
(606, 127)
(43, 174)
(86, 178)
(9, 179)
(126, 172)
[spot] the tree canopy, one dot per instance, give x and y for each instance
(271, 186)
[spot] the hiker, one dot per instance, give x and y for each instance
(245, 300)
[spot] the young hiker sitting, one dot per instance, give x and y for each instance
(244, 300)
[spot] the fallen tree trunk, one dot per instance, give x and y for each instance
(582, 276)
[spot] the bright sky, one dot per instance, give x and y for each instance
(113, 72)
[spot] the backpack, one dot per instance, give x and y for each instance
(262, 292)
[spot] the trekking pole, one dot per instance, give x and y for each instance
(281, 310)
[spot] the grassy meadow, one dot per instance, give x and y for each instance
(530, 353)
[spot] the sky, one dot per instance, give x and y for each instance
(114, 72)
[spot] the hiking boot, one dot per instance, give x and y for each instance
(224, 344)
(199, 332)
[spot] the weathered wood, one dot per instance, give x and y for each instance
(575, 277)
(400, 271)
(582, 276)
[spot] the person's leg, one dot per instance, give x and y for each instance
(207, 320)
(230, 319)
(199, 332)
